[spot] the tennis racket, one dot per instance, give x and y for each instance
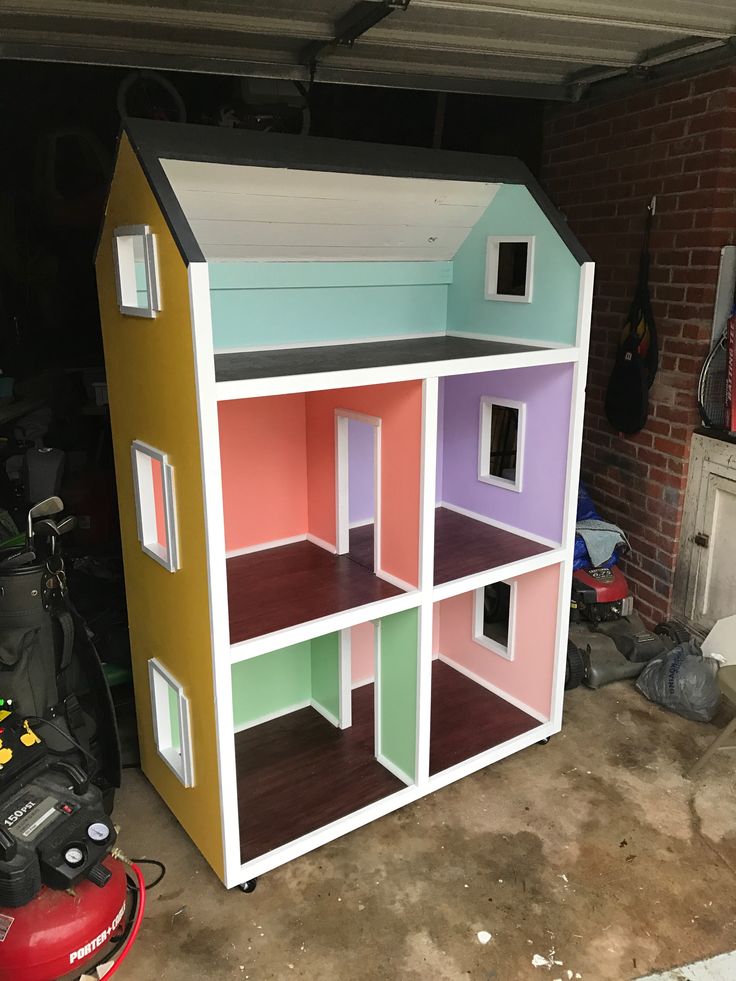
(712, 385)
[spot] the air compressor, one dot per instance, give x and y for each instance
(66, 900)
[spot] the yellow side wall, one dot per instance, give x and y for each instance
(151, 383)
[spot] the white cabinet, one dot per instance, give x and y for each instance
(705, 582)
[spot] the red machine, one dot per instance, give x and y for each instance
(57, 933)
(599, 595)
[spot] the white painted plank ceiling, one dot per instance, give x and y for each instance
(264, 213)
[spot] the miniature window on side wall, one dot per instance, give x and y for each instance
(501, 444)
(493, 615)
(510, 268)
(136, 279)
(153, 483)
(171, 728)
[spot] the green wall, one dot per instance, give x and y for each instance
(257, 303)
(552, 314)
(325, 673)
(398, 696)
(271, 683)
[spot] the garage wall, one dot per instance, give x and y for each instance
(601, 165)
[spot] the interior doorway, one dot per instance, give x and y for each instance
(359, 488)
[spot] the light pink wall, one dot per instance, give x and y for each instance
(362, 653)
(399, 406)
(264, 469)
(529, 676)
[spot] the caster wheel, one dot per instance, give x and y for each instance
(543, 742)
(249, 886)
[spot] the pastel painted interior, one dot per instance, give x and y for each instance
(528, 677)
(424, 276)
(546, 392)
(278, 469)
(305, 771)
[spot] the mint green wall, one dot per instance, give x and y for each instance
(326, 673)
(552, 314)
(398, 696)
(271, 683)
(263, 303)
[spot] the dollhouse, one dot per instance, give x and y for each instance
(346, 386)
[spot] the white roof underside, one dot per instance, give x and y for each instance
(539, 46)
(266, 213)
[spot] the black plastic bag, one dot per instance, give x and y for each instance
(684, 682)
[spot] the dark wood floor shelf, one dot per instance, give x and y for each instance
(464, 546)
(247, 365)
(292, 584)
(299, 773)
(467, 719)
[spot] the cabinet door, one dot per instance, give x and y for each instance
(714, 595)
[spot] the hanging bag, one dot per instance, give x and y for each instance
(637, 356)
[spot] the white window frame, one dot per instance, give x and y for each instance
(506, 652)
(125, 282)
(145, 506)
(179, 761)
(492, 255)
(484, 443)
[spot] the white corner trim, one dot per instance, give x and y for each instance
(540, 539)
(392, 768)
(395, 581)
(278, 714)
(321, 542)
(325, 713)
(479, 335)
(511, 699)
(276, 543)
(485, 429)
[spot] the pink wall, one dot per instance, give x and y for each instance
(399, 407)
(362, 657)
(529, 676)
(157, 475)
(264, 469)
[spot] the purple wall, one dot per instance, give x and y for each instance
(547, 392)
(361, 482)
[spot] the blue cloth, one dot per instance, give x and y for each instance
(586, 511)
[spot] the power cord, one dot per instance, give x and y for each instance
(38, 721)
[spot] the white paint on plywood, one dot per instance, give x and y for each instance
(279, 214)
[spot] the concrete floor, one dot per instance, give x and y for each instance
(591, 857)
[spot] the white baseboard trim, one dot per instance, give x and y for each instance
(321, 542)
(363, 683)
(491, 687)
(499, 524)
(273, 715)
(392, 768)
(248, 349)
(360, 524)
(276, 543)
(325, 713)
(395, 581)
(526, 341)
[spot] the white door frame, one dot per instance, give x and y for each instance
(342, 478)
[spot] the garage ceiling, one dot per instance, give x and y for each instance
(549, 49)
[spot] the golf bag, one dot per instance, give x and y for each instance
(51, 670)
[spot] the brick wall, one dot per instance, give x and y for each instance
(601, 165)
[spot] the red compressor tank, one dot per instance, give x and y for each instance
(56, 933)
